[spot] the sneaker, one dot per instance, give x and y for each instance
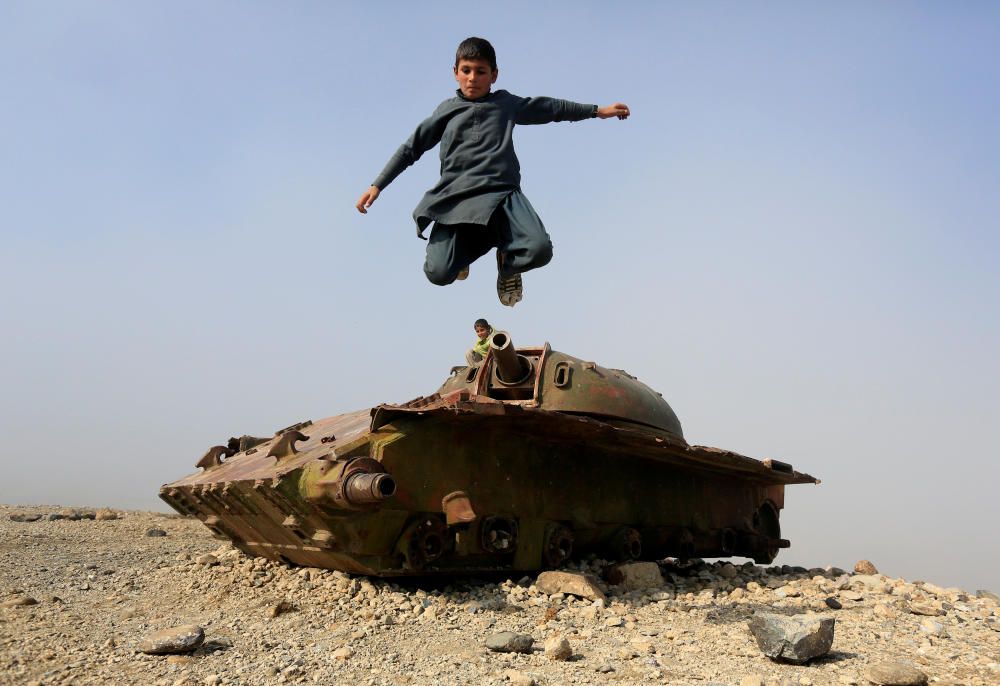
(510, 290)
(462, 275)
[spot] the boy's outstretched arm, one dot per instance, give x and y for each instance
(544, 110)
(427, 135)
(367, 198)
(619, 109)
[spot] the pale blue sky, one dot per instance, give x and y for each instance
(794, 238)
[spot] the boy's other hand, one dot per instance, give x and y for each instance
(367, 198)
(619, 109)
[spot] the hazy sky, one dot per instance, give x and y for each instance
(794, 238)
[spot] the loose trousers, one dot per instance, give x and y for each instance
(515, 230)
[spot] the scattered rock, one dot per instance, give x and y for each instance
(981, 593)
(152, 533)
(509, 642)
(343, 653)
(795, 639)
(833, 603)
(728, 571)
(54, 517)
(105, 515)
(883, 610)
(518, 678)
(865, 567)
(895, 674)
(925, 609)
(180, 639)
(19, 601)
(752, 680)
(557, 648)
(569, 583)
(208, 559)
(852, 596)
(280, 608)
(929, 626)
(605, 669)
(636, 576)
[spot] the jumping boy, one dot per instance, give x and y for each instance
(477, 204)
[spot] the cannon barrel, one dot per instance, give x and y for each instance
(511, 367)
(363, 488)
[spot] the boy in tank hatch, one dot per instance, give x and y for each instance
(477, 204)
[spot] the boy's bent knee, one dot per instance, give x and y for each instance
(439, 276)
(543, 253)
(538, 253)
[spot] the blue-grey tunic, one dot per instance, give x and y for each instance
(478, 165)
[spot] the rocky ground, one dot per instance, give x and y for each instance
(81, 598)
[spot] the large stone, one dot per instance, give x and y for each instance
(636, 576)
(895, 674)
(16, 517)
(795, 639)
(154, 532)
(105, 515)
(509, 642)
(179, 639)
(569, 583)
(557, 648)
(865, 567)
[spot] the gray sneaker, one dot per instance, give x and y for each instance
(510, 290)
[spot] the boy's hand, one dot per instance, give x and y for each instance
(619, 109)
(367, 198)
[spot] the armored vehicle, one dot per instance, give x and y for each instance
(521, 463)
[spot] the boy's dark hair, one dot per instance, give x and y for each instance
(481, 323)
(476, 49)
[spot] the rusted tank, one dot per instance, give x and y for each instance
(530, 459)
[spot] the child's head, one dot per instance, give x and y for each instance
(482, 328)
(475, 67)
(476, 49)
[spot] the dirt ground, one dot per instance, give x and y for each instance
(78, 596)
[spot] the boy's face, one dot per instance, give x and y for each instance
(475, 77)
(482, 332)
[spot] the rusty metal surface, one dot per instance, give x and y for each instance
(491, 473)
(257, 465)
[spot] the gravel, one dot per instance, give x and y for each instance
(101, 586)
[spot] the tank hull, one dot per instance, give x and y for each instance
(476, 484)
